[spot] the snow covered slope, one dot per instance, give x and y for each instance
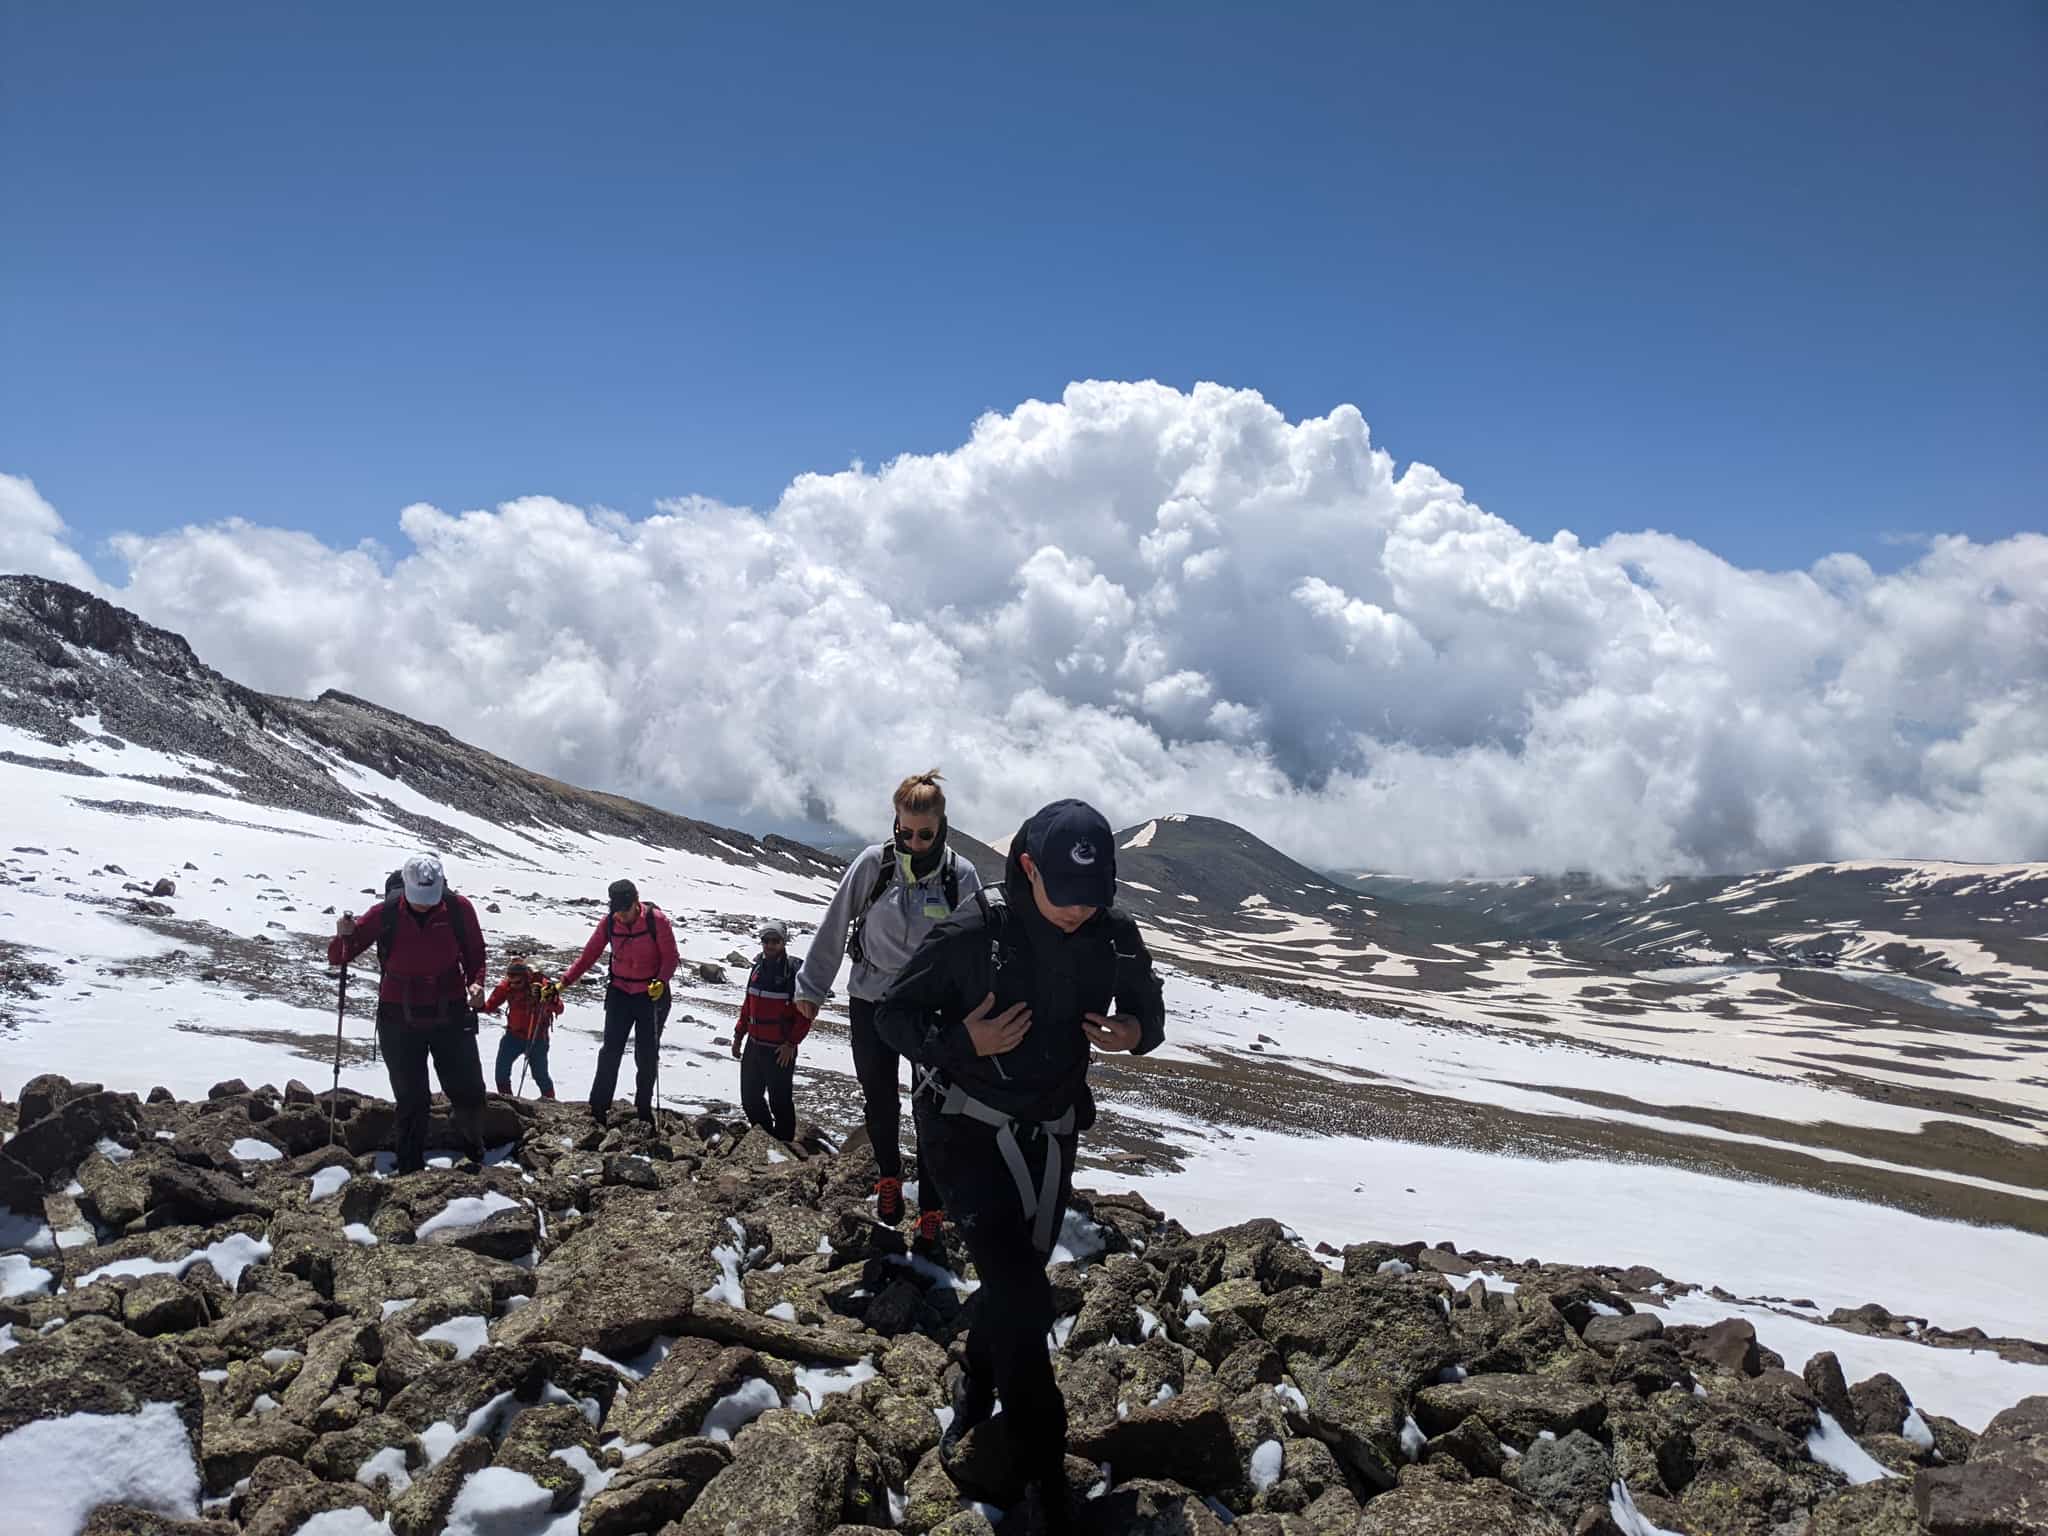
(1322, 1051)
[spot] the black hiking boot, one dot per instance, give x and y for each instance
(930, 1242)
(974, 1404)
(1052, 1501)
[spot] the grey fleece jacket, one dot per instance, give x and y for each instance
(896, 924)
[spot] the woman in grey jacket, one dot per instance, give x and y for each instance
(889, 899)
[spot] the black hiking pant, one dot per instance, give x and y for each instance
(635, 1014)
(876, 1066)
(1013, 1310)
(452, 1049)
(768, 1090)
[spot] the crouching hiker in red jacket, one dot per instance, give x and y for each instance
(535, 1001)
(433, 958)
(636, 996)
(770, 1030)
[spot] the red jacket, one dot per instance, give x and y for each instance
(769, 1013)
(432, 963)
(527, 1017)
(643, 954)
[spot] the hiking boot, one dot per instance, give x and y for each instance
(548, 1094)
(974, 1404)
(930, 1242)
(505, 1088)
(1057, 1515)
(889, 1202)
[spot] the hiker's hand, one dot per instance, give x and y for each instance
(344, 925)
(1121, 1033)
(739, 1043)
(995, 1034)
(785, 1056)
(807, 1008)
(476, 997)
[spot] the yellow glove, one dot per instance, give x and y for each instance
(655, 989)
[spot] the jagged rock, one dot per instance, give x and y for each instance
(529, 1447)
(969, 1522)
(1516, 1408)
(158, 1304)
(1823, 1376)
(615, 1285)
(21, 1187)
(1472, 1445)
(771, 1336)
(1153, 1508)
(2001, 1491)
(42, 1095)
(1881, 1405)
(449, 1282)
(180, 1194)
(94, 1365)
(291, 1509)
(1608, 1334)
(1431, 1506)
(1875, 1509)
(676, 1395)
(329, 1354)
(1649, 1367)
(164, 887)
(230, 1448)
(653, 1489)
(126, 1520)
(422, 1510)
(117, 1194)
(53, 1146)
(1359, 1349)
(1729, 1344)
(340, 1455)
(1565, 1475)
(780, 1483)
(1186, 1439)
(709, 971)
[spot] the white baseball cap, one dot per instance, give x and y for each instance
(425, 885)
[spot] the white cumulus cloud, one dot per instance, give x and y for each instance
(1169, 601)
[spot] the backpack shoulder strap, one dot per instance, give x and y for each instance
(951, 880)
(387, 929)
(456, 920)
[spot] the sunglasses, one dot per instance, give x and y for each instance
(772, 943)
(922, 835)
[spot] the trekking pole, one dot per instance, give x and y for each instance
(340, 1012)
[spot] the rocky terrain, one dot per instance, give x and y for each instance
(215, 1322)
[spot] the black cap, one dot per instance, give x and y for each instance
(624, 893)
(1075, 852)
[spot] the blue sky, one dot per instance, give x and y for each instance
(1765, 276)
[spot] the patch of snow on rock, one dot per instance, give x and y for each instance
(468, 1333)
(143, 1459)
(1832, 1446)
(1267, 1461)
(328, 1181)
(739, 1408)
(249, 1150)
(468, 1211)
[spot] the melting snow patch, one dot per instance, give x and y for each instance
(8, 1340)
(29, 1233)
(1080, 1240)
(112, 1151)
(783, 1312)
(143, 1458)
(18, 1277)
(1395, 1267)
(229, 1257)
(814, 1386)
(1063, 1330)
(1148, 1324)
(1451, 1373)
(727, 1287)
(1831, 1446)
(328, 1181)
(469, 1211)
(216, 1377)
(739, 1408)
(398, 1305)
(499, 1501)
(1289, 1393)
(1197, 1320)
(249, 1150)
(1412, 1439)
(1629, 1520)
(1266, 1464)
(264, 1403)
(1916, 1430)
(390, 1463)
(276, 1357)
(344, 1522)
(468, 1333)
(359, 1234)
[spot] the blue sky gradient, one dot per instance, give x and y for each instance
(1768, 277)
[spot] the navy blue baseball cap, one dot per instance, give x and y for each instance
(1075, 853)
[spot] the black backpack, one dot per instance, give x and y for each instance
(394, 898)
(949, 880)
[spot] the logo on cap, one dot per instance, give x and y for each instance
(1084, 854)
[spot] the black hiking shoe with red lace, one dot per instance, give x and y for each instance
(930, 1242)
(889, 1202)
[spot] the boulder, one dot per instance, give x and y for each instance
(1431, 1506)
(127, 1520)
(1608, 1334)
(2001, 1491)
(179, 1194)
(1146, 1507)
(616, 1285)
(94, 1365)
(655, 1488)
(159, 1304)
(422, 1510)
(782, 1482)
(1187, 1440)
(116, 1192)
(1874, 1509)
(1516, 1408)
(53, 1146)
(1565, 1475)
(329, 1354)
(230, 1448)
(1823, 1377)
(1729, 1344)
(676, 1395)
(1881, 1405)
(292, 1508)
(42, 1095)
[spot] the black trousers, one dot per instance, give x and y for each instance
(637, 1015)
(1013, 1311)
(768, 1090)
(876, 1066)
(452, 1049)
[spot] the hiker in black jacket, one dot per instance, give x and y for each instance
(999, 1009)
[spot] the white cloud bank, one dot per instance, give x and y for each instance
(1170, 601)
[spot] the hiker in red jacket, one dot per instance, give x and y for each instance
(432, 951)
(535, 1002)
(771, 1027)
(636, 998)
